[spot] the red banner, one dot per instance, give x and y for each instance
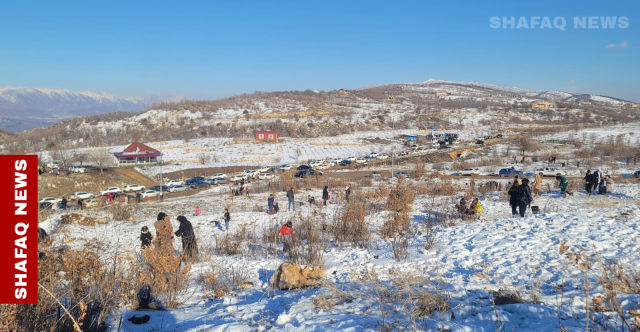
(19, 229)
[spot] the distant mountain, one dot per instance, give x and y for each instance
(26, 108)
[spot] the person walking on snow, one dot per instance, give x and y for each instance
(537, 185)
(513, 197)
(270, 203)
(596, 181)
(290, 197)
(524, 196)
(325, 194)
(347, 192)
(189, 243)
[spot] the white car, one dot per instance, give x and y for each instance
(285, 167)
(360, 160)
(77, 169)
(238, 178)
(219, 175)
(175, 189)
(351, 158)
(110, 190)
(265, 176)
(373, 154)
(81, 195)
(470, 171)
(250, 174)
(334, 162)
(315, 162)
(149, 193)
(54, 164)
(134, 187)
(322, 166)
(263, 169)
(174, 183)
(50, 200)
(382, 156)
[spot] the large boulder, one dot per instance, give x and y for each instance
(291, 276)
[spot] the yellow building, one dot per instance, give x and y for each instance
(545, 106)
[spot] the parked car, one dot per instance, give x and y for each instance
(149, 193)
(315, 162)
(77, 169)
(345, 162)
(199, 184)
(54, 164)
(91, 202)
(350, 158)
(194, 180)
(157, 188)
(250, 174)
(479, 142)
(307, 172)
(499, 136)
(238, 178)
(219, 175)
(374, 175)
(382, 156)
(404, 174)
(285, 167)
(322, 166)
(373, 154)
(81, 195)
(369, 158)
(50, 200)
(264, 169)
(360, 160)
(177, 188)
(216, 180)
(110, 190)
(133, 187)
(549, 171)
(335, 162)
(174, 183)
(470, 171)
(303, 167)
(509, 172)
(265, 176)
(45, 205)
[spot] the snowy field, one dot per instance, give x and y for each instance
(472, 259)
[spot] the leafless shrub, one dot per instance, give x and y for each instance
(121, 212)
(203, 158)
(350, 225)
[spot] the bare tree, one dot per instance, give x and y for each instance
(203, 157)
(80, 157)
(102, 159)
(64, 156)
(526, 143)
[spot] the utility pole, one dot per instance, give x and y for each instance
(161, 175)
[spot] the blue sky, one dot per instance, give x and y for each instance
(212, 49)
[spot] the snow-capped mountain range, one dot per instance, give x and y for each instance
(23, 108)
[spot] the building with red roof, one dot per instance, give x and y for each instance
(266, 135)
(138, 154)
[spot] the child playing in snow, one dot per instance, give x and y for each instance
(197, 210)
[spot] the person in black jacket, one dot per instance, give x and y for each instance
(524, 196)
(325, 194)
(145, 238)
(290, 197)
(189, 244)
(64, 203)
(513, 197)
(588, 178)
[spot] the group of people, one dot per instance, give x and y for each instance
(165, 237)
(473, 209)
(595, 181)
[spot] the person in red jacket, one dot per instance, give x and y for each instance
(286, 235)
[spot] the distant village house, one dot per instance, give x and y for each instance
(544, 106)
(262, 135)
(443, 94)
(137, 154)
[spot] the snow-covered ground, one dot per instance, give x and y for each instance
(472, 259)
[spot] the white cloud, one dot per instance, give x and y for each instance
(621, 45)
(572, 81)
